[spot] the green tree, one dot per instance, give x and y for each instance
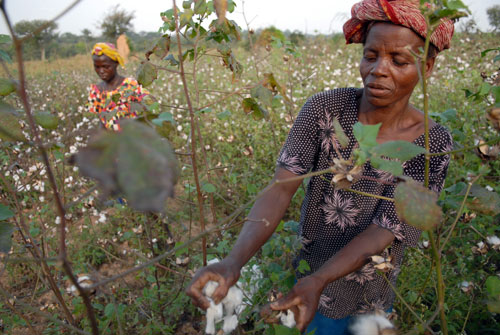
(39, 41)
(494, 17)
(117, 22)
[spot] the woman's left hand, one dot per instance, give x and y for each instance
(302, 300)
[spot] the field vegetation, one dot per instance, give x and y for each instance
(226, 110)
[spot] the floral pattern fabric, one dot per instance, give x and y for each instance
(111, 106)
(331, 218)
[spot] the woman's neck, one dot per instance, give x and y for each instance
(392, 117)
(112, 84)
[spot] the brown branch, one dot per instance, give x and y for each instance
(193, 135)
(22, 92)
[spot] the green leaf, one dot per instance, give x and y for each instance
(4, 39)
(251, 107)
(47, 120)
(340, 134)
(171, 60)
(5, 213)
(163, 117)
(456, 5)
(6, 230)
(485, 89)
(10, 129)
(366, 135)
(416, 205)
(492, 285)
(200, 7)
(263, 94)
(401, 150)
(136, 163)
(303, 266)
(5, 56)
(7, 86)
(146, 74)
(282, 330)
(224, 115)
(393, 167)
(483, 201)
(109, 310)
(495, 90)
(208, 188)
(187, 4)
(181, 251)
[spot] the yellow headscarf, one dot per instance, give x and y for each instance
(109, 50)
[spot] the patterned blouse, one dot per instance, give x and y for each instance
(111, 106)
(330, 217)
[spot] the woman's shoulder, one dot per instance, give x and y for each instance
(440, 138)
(336, 96)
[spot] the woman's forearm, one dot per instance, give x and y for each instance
(263, 219)
(355, 254)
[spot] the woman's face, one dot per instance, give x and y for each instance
(105, 67)
(388, 67)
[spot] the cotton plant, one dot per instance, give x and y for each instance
(373, 324)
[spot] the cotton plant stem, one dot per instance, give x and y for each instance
(459, 214)
(193, 135)
(198, 131)
(250, 40)
(22, 92)
(493, 141)
(440, 283)
(435, 249)
(400, 297)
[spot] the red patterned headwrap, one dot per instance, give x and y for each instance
(402, 12)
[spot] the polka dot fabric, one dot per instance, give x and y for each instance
(330, 217)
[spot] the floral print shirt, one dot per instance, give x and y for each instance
(111, 106)
(330, 217)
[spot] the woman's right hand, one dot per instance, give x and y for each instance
(225, 272)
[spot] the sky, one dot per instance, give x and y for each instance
(312, 16)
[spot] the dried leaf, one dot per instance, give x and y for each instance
(135, 163)
(220, 9)
(251, 107)
(483, 201)
(146, 74)
(416, 205)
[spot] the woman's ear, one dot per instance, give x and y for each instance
(429, 66)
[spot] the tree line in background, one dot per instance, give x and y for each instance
(47, 43)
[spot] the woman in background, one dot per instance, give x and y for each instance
(111, 98)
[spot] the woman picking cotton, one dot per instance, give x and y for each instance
(111, 99)
(340, 230)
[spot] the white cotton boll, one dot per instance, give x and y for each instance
(493, 240)
(372, 325)
(233, 299)
(230, 323)
(288, 319)
(209, 288)
(214, 314)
